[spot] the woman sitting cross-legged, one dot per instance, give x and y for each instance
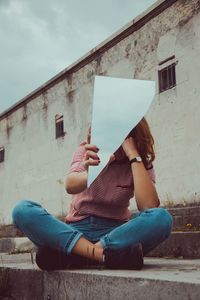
(99, 228)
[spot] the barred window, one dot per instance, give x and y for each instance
(167, 78)
(59, 126)
(2, 154)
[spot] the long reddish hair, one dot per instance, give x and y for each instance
(144, 142)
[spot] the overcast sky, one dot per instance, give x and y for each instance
(39, 38)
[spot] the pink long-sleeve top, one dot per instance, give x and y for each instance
(108, 196)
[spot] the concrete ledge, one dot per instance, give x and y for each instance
(21, 244)
(182, 216)
(9, 231)
(185, 211)
(179, 244)
(160, 279)
(186, 223)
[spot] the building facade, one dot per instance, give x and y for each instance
(39, 134)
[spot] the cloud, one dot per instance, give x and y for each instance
(40, 38)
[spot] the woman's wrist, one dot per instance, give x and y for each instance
(133, 154)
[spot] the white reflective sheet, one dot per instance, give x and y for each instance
(118, 105)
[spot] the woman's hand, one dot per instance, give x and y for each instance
(129, 148)
(91, 158)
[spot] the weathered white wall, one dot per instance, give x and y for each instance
(36, 163)
(175, 114)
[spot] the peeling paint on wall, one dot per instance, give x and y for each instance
(24, 114)
(189, 11)
(70, 96)
(128, 50)
(8, 127)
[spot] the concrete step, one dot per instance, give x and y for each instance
(185, 211)
(179, 244)
(180, 222)
(186, 223)
(183, 242)
(185, 219)
(160, 279)
(15, 245)
(9, 231)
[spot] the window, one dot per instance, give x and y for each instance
(59, 126)
(167, 78)
(2, 154)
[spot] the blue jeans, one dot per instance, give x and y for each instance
(149, 227)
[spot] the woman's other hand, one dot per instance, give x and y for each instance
(91, 158)
(76, 182)
(129, 148)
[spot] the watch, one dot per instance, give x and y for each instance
(136, 159)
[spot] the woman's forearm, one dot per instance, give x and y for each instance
(144, 189)
(76, 182)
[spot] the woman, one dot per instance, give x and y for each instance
(99, 227)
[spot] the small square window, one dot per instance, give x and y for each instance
(167, 78)
(2, 154)
(59, 126)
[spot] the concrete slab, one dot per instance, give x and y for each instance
(9, 231)
(20, 244)
(159, 279)
(186, 223)
(179, 244)
(185, 211)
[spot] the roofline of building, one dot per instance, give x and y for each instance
(138, 22)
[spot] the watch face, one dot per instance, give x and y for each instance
(139, 159)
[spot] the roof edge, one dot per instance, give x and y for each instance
(134, 25)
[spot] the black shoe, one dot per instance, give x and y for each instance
(130, 258)
(51, 259)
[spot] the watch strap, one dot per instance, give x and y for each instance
(136, 159)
